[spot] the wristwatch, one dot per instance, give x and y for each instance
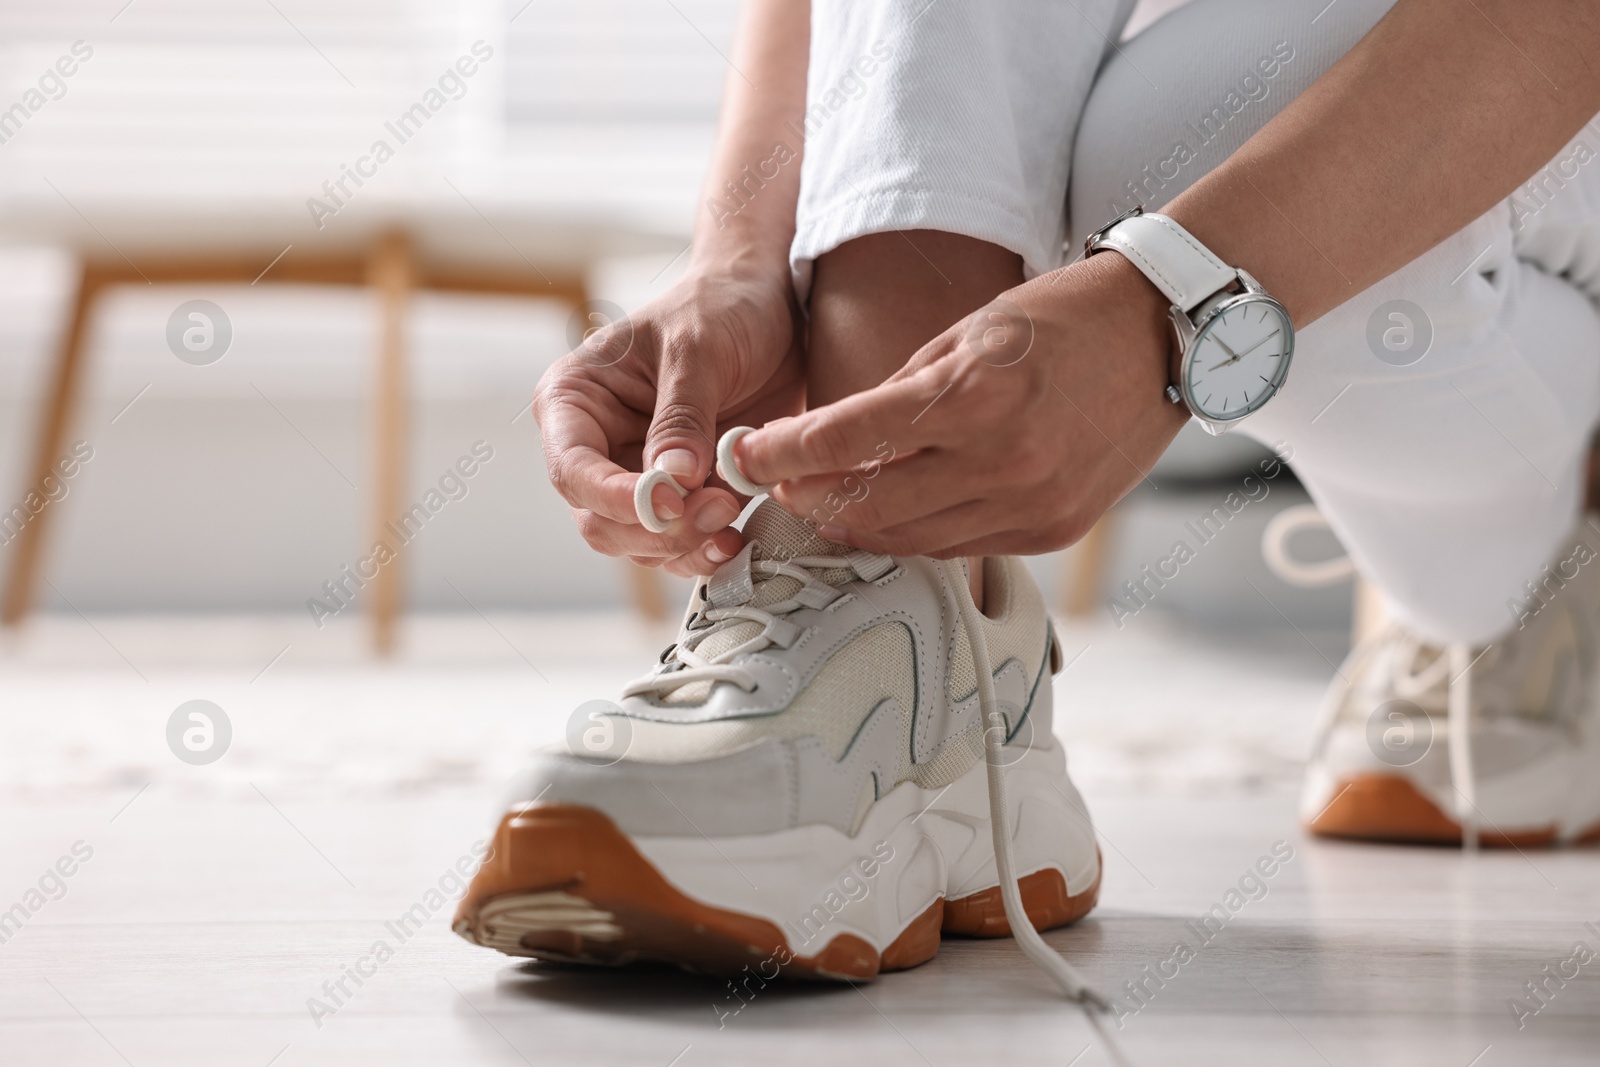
(1235, 341)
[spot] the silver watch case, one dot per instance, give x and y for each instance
(1189, 329)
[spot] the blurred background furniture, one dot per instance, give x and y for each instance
(369, 354)
(578, 140)
(392, 265)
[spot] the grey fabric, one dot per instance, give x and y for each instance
(913, 594)
(1452, 472)
(1199, 78)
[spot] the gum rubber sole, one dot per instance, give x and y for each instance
(1388, 808)
(561, 882)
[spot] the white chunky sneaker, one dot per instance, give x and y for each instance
(800, 785)
(1498, 744)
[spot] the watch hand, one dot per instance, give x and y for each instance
(1258, 344)
(1237, 356)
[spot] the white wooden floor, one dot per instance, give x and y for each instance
(208, 915)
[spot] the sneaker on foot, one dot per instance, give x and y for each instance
(1420, 741)
(803, 782)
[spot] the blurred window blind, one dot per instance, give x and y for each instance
(204, 97)
(618, 61)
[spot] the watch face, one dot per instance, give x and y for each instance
(1239, 358)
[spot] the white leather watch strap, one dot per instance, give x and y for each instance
(1167, 254)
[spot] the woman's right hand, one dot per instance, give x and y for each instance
(721, 348)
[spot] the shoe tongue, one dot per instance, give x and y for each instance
(773, 534)
(778, 535)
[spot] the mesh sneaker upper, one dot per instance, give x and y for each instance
(1530, 688)
(874, 663)
(809, 679)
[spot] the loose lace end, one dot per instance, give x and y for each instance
(1067, 978)
(728, 467)
(645, 509)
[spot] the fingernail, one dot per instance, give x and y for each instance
(714, 516)
(667, 503)
(678, 462)
(834, 533)
(715, 554)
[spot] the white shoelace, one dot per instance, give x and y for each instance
(723, 610)
(1067, 978)
(1459, 717)
(1452, 665)
(726, 604)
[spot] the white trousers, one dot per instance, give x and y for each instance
(1440, 419)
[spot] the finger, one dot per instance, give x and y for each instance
(705, 512)
(709, 511)
(577, 455)
(856, 430)
(682, 437)
(689, 566)
(717, 550)
(877, 498)
(665, 503)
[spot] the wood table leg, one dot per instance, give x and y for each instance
(1367, 615)
(1088, 565)
(649, 592)
(391, 272)
(50, 442)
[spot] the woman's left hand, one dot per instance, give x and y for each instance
(1011, 432)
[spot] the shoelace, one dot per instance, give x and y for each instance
(1066, 977)
(1452, 665)
(726, 604)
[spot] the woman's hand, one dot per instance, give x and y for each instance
(1011, 432)
(719, 349)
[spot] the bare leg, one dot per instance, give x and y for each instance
(879, 298)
